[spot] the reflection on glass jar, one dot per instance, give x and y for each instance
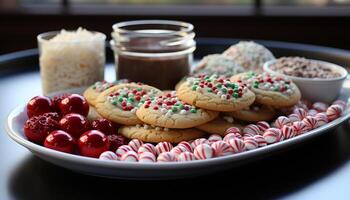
(155, 52)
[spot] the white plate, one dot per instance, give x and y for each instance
(123, 170)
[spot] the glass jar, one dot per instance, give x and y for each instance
(71, 59)
(155, 52)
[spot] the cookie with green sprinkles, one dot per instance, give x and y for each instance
(273, 90)
(215, 93)
(170, 112)
(92, 92)
(120, 103)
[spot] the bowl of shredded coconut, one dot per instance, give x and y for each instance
(71, 59)
(317, 80)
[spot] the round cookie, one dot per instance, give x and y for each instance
(170, 112)
(148, 133)
(119, 103)
(249, 55)
(92, 92)
(215, 93)
(219, 125)
(218, 64)
(254, 113)
(276, 91)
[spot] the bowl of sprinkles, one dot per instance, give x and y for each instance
(313, 77)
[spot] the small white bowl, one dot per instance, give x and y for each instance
(316, 89)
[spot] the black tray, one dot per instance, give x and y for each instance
(24, 176)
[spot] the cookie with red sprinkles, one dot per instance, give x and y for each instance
(170, 112)
(215, 93)
(154, 134)
(92, 92)
(120, 102)
(272, 90)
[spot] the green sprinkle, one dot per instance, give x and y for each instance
(255, 85)
(193, 110)
(131, 99)
(120, 99)
(209, 90)
(196, 83)
(219, 86)
(194, 88)
(94, 87)
(114, 103)
(235, 95)
(276, 89)
(181, 106)
(174, 109)
(224, 90)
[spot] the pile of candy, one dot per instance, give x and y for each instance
(303, 118)
(60, 123)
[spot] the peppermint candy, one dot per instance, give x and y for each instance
(199, 141)
(237, 145)
(122, 150)
(263, 126)
(310, 122)
(233, 130)
(300, 127)
(162, 147)
(271, 135)
(230, 136)
(334, 111)
(213, 138)
(319, 106)
(250, 143)
(186, 145)
(147, 147)
(251, 130)
(282, 121)
(321, 119)
(135, 144)
(312, 112)
(340, 103)
(186, 156)
(130, 156)
(179, 149)
(294, 117)
(147, 157)
(108, 155)
(300, 112)
(260, 140)
(167, 157)
(203, 151)
(278, 132)
(221, 148)
(288, 132)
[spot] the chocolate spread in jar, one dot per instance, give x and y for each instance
(160, 72)
(155, 52)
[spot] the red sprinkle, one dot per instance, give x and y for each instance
(146, 106)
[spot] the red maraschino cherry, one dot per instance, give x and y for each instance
(92, 143)
(74, 103)
(60, 141)
(39, 105)
(74, 124)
